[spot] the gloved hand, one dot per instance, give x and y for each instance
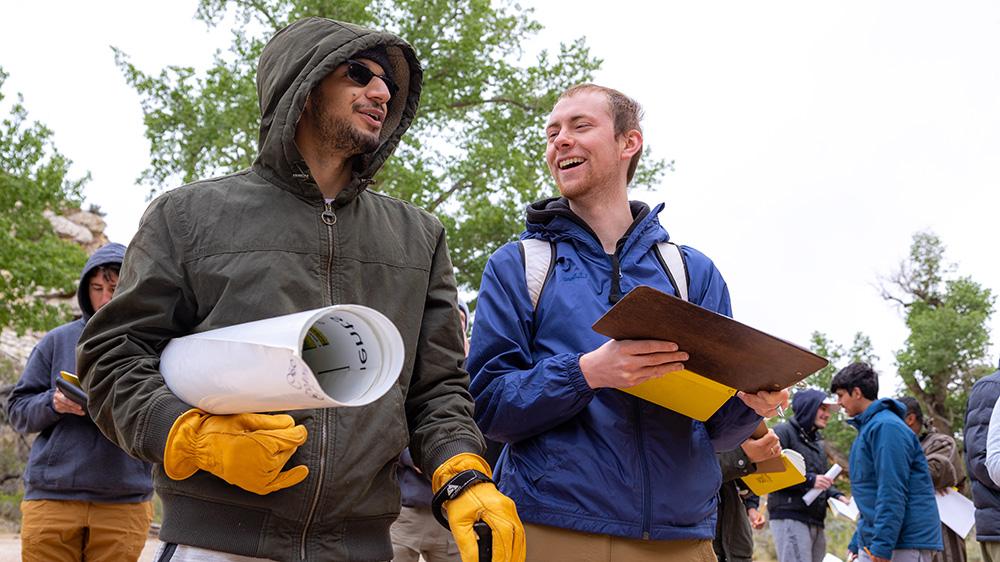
(246, 450)
(481, 502)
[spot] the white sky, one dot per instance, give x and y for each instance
(811, 139)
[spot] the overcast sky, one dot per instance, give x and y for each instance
(811, 139)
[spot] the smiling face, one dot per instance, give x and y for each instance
(822, 416)
(346, 117)
(582, 151)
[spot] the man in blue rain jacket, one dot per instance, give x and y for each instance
(890, 480)
(595, 471)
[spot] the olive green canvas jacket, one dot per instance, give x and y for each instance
(262, 243)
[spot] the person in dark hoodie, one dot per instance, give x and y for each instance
(299, 230)
(890, 480)
(84, 498)
(798, 529)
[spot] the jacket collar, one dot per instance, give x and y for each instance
(875, 407)
(552, 219)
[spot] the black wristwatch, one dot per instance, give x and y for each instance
(454, 488)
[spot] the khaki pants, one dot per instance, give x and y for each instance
(552, 544)
(71, 531)
(991, 551)
(416, 533)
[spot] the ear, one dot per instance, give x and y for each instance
(631, 144)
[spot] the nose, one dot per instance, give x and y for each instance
(378, 91)
(562, 139)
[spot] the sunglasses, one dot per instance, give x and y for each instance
(362, 75)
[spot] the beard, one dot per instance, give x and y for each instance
(337, 134)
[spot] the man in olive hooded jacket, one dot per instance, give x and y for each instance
(298, 230)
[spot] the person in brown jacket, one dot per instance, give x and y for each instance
(945, 463)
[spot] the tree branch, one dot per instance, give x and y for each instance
(445, 195)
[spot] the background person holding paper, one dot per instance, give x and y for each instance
(84, 498)
(890, 481)
(945, 465)
(799, 529)
(299, 230)
(985, 492)
(594, 470)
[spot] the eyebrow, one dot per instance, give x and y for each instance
(572, 120)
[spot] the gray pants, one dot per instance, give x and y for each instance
(183, 553)
(796, 541)
(907, 555)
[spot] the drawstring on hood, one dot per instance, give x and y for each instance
(292, 64)
(108, 254)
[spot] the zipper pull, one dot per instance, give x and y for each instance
(328, 216)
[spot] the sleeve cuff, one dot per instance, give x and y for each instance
(156, 427)
(575, 377)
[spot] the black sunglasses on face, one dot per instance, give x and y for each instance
(362, 75)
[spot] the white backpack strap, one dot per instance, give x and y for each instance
(537, 256)
(673, 260)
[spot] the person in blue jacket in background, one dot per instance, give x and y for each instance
(84, 498)
(890, 480)
(598, 474)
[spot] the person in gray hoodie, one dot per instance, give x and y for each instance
(84, 498)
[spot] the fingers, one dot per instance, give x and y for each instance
(264, 421)
(644, 347)
(286, 479)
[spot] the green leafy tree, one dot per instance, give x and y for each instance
(947, 316)
(838, 435)
(34, 177)
(474, 154)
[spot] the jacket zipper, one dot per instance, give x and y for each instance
(329, 219)
(647, 514)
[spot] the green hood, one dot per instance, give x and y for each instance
(297, 59)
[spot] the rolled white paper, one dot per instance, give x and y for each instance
(342, 355)
(811, 495)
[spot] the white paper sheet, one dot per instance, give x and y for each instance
(343, 355)
(956, 511)
(848, 510)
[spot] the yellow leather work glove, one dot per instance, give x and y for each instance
(246, 450)
(484, 502)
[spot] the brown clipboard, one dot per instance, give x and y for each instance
(720, 348)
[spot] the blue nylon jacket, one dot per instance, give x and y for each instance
(891, 484)
(593, 461)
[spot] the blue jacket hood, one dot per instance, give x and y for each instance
(890, 404)
(805, 404)
(110, 253)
